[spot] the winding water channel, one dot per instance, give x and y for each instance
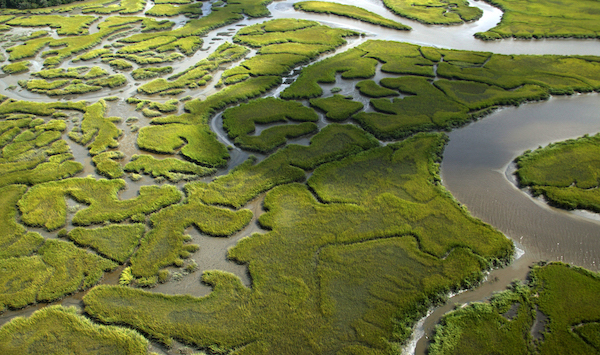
(476, 168)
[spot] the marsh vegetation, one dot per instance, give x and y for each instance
(127, 131)
(528, 319)
(565, 173)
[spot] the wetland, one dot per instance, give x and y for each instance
(212, 177)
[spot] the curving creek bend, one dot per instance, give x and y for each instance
(477, 165)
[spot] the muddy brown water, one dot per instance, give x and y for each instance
(476, 168)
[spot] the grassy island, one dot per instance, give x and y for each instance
(57, 329)
(437, 12)
(353, 12)
(526, 19)
(566, 173)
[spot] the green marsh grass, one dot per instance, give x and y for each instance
(399, 58)
(168, 106)
(473, 329)
(478, 96)
(353, 12)
(71, 73)
(73, 88)
(291, 31)
(116, 242)
(39, 171)
(170, 168)
(32, 152)
(562, 164)
(274, 137)
(56, 328)
(166, 244)
(566, 173)
(107, 164)
(558, 74)
(219, 17)
(464, 58)
(349, 277)
(152, 24)
(234, 79)
(545, 19)
(248, 180)
(310, 51)
(65, 47)
(150, 113)
(351, 64)
(145, 58)
(60, 8)
(570, 198)
(43, 86)
(186, 45)
(14, 238)
(120, 64)
(372, 89)
(200, 111)
(175, 2)
(240, 121)
(16, 68)
(427, 108)
(125, 7)
(337, 108)
(437, 12)
(194, 9)
(272, 64)
(150, 73)
(44, 204)
(57, 269)
(96, 130)
(147, 45)
(111, 81)
(197, 74)
(73, 269)
(195, 142)
(590, 333)
(93, 54)
(565, 294)
(65, 25)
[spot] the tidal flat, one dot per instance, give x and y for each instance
(258, 177)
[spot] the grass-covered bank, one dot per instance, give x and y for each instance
(353, 12)
(240, 122)
(567, 173)
(514, 322)
(60, 330)
(468, 84)
(438, 12)
(412, 241)
(525, 19)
